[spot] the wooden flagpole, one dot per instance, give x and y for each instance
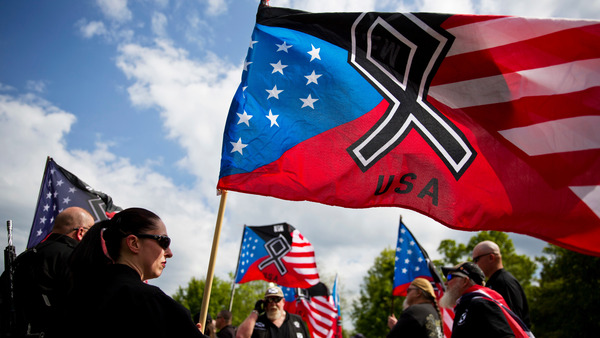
(211, 263)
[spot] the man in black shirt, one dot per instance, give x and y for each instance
(42, 274)
(487, 256)
(275, 322)
(223, 324)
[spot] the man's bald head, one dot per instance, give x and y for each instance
(487, 255)
(73, 222)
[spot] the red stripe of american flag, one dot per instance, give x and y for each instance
(302, 258)
(321, 316)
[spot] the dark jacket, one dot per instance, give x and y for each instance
(117, 303)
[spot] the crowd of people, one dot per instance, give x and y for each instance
(497, 308)
(88, 279)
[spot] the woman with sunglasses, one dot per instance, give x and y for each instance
(109, 296)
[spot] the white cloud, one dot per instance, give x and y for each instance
(159, 24)
(115, 9)
(38, 86)
(6, 88)
(216, 7)
(91, 29)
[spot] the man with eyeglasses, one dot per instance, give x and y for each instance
(275, 322)
(42, 274)
(487, 256)
(478, 311)
(223, 324)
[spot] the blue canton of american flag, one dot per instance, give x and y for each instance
(253, 247)
(410, 261)
(61, 189)
(287, 95)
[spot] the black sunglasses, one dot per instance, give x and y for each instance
(163, 241)
(273, 299)
(476, 259)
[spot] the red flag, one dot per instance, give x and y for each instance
(479, 122)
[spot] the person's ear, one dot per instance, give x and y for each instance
(79, 234)
(133, 243)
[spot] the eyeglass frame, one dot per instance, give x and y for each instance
(476, 259)
(160, 239)
(273, 299)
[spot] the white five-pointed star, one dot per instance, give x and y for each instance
(238, 146)
(43, 220)
(246, 64)
(244, 118)
(283, 47)
(273, 92)
(278, 67)
(66, 200)
(252, 43)
(39, 232)
(314, 53)
(312, 78)
(308, 102)
(272, 118)
(60, 183)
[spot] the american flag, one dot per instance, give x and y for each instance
(59, 190)
(317, 309)
(412, 261)
(277, 253)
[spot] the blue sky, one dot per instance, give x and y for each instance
(132, 96)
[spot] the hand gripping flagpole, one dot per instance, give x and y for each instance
(211, 263)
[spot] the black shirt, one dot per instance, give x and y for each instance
(508, 286)
(42, 282)
(226, 332)
(479, 317)
(293, 327)
(419, 320)
(118, 304)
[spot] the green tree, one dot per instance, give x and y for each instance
(244, 298)
(566, 302)
(370, 312)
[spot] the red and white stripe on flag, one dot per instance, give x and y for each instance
(301, 258)
(320, 315)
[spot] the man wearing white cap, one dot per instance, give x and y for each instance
(275, 322)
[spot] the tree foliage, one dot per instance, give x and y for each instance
(566, 302)
(370, 312)
(244, 298)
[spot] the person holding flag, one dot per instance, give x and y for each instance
(275, 322)
(421, 316)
